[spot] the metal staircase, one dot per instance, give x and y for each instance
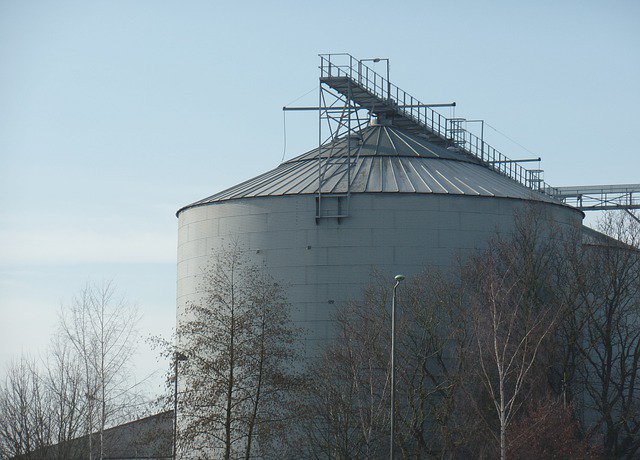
(351, 93)
(361, 85)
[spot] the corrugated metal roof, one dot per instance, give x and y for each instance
(380, 140)
(387, 160)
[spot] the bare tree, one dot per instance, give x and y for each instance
(25, 421)
(81, 385)
(344, 405)
(564, 356)
(595, 362)
(549, 429)
(560, 311)
(433, 353)
(101, 329)
(541, 310)
(610, 346)
(514, 308)
(347, 394)
(63, 375)
(41, 408)
(240, 347)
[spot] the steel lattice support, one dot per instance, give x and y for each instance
(340, 121)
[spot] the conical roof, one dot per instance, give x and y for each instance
(384, 159)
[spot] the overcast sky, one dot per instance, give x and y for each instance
(114, 114)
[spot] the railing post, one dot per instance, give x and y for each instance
(388, 81)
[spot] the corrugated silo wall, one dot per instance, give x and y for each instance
(327, 264)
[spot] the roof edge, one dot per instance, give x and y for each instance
(550, 203)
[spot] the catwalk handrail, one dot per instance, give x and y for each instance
(345, 65)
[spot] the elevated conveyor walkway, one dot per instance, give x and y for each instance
(599, 197)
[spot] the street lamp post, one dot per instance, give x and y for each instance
(177, 356)
(398, 279)
(376, 60)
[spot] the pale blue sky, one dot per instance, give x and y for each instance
(114, 114)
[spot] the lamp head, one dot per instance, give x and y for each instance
(376, 60)
(399, 278)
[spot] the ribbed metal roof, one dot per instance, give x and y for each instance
(386, 160)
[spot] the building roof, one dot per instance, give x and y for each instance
(384, 159)
(149, 438)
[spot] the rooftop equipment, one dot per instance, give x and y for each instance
(353, 96)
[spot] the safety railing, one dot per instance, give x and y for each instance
(450, 130)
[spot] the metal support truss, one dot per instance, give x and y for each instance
(340, 121)
(599, 197)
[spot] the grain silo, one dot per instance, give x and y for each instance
(399, 187)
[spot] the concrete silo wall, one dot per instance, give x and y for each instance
(327, 264)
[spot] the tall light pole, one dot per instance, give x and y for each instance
(375, 60)
(398, 279)
(177, 356)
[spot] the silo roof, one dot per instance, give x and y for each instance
(384, 159)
